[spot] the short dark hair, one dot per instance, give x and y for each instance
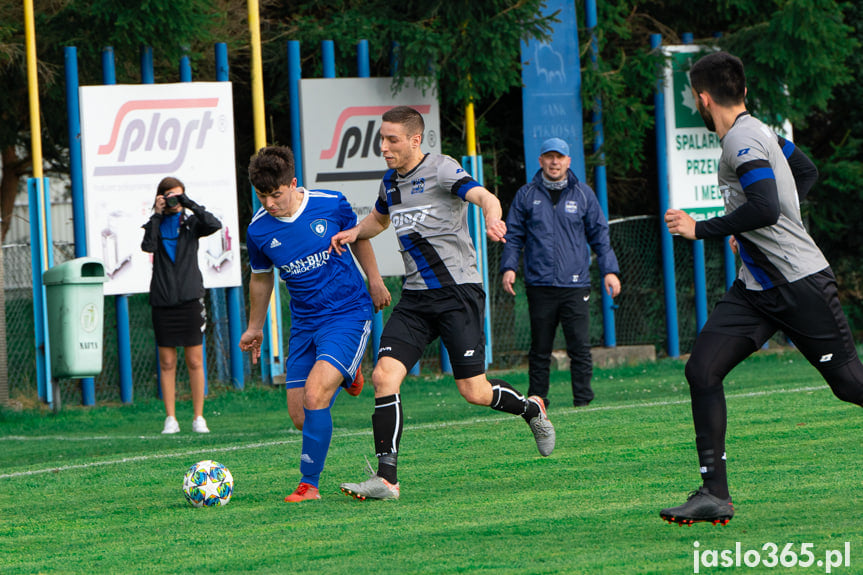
(169, 183)
(271, 168)
(408, 117)
(721, 75)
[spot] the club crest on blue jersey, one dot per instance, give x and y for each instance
(418, 186)
(571, 207)
(319, 227)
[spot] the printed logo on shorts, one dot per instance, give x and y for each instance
(319, 227)
(469, 353)
(825, 358)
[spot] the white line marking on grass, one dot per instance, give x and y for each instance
(258, 445)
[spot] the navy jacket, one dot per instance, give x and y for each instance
(556, 239)
(175, 282)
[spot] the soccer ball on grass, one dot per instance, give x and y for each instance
(208, 484)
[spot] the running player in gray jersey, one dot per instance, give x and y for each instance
(425, 197)
(785, 282)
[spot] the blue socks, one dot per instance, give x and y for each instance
(317, 433)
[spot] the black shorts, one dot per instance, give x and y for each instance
(180, 325)
(454, 313)
(808, 311)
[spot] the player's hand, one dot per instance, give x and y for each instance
(612, 284)
(338, 241)
(495, 229)
(381, 297)
(680, 223)
(508, 280)
(251, 341)
(732, 243)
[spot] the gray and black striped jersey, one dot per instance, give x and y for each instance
(428, 211)
(757, 183)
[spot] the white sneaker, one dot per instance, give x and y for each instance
(199, 425)
(171, 425)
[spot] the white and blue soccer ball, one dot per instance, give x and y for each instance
(208, 484)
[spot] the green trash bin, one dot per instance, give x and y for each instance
(73, 291)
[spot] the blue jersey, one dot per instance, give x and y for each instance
(321, 284)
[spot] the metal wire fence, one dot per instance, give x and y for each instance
(639, 316)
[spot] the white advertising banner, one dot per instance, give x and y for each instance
(132, 136)
(341, 148)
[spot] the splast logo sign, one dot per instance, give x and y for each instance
(341, 148)
(132, 137)
(154, 136)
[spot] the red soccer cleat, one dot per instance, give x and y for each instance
(357, 386)
(304, 492)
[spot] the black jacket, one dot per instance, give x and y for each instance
(175, 282)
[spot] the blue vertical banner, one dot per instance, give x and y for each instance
(551, 97)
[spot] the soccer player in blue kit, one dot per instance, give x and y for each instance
(331, 310)
(425, 197)
(785, 281)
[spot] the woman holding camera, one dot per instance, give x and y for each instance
(177, 292)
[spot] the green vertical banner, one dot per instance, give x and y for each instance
(686, 114)
(693, 151)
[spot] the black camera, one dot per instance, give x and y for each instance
(172, 201)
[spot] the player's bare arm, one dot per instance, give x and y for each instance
(364, 253)
(260, 288)
(680, 223)
(495, 227)
(369, 227)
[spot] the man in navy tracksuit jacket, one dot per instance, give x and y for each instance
(556, 219)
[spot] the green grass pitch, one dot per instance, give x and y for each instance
(98, 490)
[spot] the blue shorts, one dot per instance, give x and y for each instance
(341, 343)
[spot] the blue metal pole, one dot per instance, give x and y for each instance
(476, 225)
(147, 75)
(698, 259)
(121, 302)
(76, 172)
(394, 58)
(608, 326)
(233, 295)
(43, 369)
(76, 176)
(328, 56)
(364, 71)
(730, 267)
(186, 76)
(668, 275)
(363, 67)
(294, 74)
(185, 69)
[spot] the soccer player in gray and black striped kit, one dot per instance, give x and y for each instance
(425, 197)
(784, 283)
